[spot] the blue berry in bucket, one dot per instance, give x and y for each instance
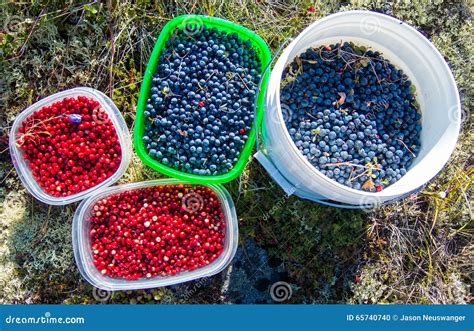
(363, 118)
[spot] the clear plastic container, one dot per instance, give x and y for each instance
(21, 164)
(83, 250)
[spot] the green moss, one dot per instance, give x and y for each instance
(330, 255)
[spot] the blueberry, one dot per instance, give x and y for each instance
(373, 126)
(196, 112)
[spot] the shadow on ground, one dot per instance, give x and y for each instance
(291, 250)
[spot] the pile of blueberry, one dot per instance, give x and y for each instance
(200, 108)
(352, 114)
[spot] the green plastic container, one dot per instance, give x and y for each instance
(180, 22)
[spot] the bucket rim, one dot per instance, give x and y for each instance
(276, 79)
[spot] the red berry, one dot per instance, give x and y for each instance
(201, 103)
(378, 188)
(65, 146)
(242, 131)
(311, 9)
(146, 232)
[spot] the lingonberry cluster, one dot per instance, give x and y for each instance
(352, 114)
(156, 231)
(70, 146)
(200, 108)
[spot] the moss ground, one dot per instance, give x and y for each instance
(417, 250)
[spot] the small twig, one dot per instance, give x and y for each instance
(413, 154)
(112, 41)
(375, 73)
(337, 164)
(22, 49)
(6, 176)
(365, 172)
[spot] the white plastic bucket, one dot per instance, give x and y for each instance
(406, 48)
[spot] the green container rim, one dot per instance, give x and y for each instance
(263, 51)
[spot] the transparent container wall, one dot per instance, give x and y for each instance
(21, 164)
(83, 250)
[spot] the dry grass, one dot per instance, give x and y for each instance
(418, 250)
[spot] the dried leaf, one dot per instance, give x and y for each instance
(342, 98)
(298, 61)
(412, 89)
(359, 50)
(288, 79)
(364, 62)
(316, 131)
(368, 185)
